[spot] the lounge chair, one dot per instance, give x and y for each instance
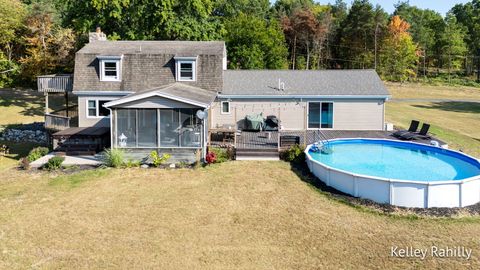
(423, 134)
(413, 128)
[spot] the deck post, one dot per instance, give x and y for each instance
(66, 103)
(46, 102)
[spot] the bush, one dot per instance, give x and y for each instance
(158, 160)
(37, 153)
(54, 163)
(294, 154)
(113, 157)
(132, 164)
(211, 158)
(221, 154)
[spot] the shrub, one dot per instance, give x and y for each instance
(211, 158)
(37, 153)
(158, 160)
(221, 154)
(294, 154)
(54, 163)
(113, 157)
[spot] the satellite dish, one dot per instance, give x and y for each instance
(201, 114)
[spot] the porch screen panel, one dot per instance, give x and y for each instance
(314, 115)
(147, 128)
(126, 128)
(169, 128)
(190, 129)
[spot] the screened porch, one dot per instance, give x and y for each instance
(157, 128)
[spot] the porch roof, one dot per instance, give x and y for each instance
(177, 91)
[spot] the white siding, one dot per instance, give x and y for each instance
(348, 114)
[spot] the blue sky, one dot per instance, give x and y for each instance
(441, 6)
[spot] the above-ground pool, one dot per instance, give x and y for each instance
(399, 173)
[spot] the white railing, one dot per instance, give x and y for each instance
(58, 83)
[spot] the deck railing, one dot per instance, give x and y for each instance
(58, 83)
(56, 122)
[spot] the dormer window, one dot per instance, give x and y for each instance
(186, 68)
(110, 68)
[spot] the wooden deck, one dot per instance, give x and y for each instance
(270, 140)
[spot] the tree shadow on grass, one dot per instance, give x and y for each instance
(31, 101)
(452, 106)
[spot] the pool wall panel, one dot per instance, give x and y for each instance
(409, 194)
(342, 181)
(374, 190)
(470, 192)
(444, 195)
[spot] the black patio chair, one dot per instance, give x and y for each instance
(413, 128)
(423, 134)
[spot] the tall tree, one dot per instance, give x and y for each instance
(399, 52)
(358, 34)
(254, 43)
(231, 8)
(121, 19)
(452, 43)
(288, 7)
(306, 34)
(49, 46)
(12, 13)
(468, 15)
(426, 28)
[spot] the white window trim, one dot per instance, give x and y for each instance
(333, 109)
(102, 59)
(186, 60)
(97, 111)
(229, 107)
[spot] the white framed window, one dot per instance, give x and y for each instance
(110, 68)
(186, 69)
(225, 107)
(95, 108)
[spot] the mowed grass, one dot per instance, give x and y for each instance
(421, 91)
(457, 123)
(236, 215)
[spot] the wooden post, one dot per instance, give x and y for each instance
(66, 102)
(46, 102)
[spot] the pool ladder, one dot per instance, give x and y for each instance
(325, 142)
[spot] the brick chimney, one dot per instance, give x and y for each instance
(98, 35)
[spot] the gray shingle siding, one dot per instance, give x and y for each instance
(304, 82)
(152, 67)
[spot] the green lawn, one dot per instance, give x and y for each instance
(236, 215)
(457, 123)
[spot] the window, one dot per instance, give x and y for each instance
(95, 108)
(320, 115)
(225, 107)
(110, 68)
(186, 68)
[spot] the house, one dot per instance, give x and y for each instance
(170, 95)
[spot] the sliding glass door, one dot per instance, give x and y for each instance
(320, 115)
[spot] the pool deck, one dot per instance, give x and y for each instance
(264, 140)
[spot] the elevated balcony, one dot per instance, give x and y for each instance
(58, 84)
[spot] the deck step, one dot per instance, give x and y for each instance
(257, 154)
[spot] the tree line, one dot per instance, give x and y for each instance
(41, 36)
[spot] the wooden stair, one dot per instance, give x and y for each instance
(257, 154)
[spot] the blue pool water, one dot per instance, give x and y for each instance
(398, 160)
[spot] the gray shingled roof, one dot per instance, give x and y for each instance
(304, 82)
(177, 91)
(180, 48)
